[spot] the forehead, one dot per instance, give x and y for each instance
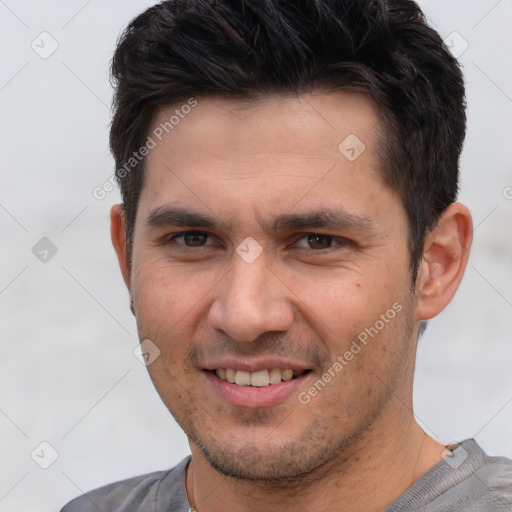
(311, 148)
(314, 123)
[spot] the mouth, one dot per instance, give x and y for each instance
(257, 379)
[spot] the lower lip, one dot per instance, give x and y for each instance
(253, 397)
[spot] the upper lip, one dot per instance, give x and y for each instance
(255, 365)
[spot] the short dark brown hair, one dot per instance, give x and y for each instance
(243, 49)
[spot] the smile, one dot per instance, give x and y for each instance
(261, 388)
(259, 379)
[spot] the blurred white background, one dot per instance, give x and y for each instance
(68, 373)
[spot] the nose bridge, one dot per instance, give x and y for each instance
(251, 302)
(249, 283)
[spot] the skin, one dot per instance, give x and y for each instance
(355, 445)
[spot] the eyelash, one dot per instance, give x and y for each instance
(184, 233)
(335, 241)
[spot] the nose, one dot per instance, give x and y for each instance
(251, 301)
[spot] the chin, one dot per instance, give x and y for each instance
(270, 458)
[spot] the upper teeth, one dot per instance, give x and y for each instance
(258, 379)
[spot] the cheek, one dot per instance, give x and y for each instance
(160, 303)
(165, 292)
(339, 305)
(171, 304)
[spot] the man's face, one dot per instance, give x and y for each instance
(266, 241)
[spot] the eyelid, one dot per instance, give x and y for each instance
(337, 241)
(172, 237)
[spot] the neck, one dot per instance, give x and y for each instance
(368, 476)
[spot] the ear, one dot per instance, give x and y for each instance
(445, 256)
(118, 235)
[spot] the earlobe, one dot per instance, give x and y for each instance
(445, 257)
(118, 236)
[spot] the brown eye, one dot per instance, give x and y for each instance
(319, 241)
(194, 239)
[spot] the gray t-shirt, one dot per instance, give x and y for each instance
(467, 480)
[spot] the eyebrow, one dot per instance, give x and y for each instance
(335, 219)
(166, 216)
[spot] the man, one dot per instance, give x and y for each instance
(289, 172)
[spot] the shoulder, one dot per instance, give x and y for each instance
(496, 476)
(141, 493)
(468, 480)
(478, 479)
